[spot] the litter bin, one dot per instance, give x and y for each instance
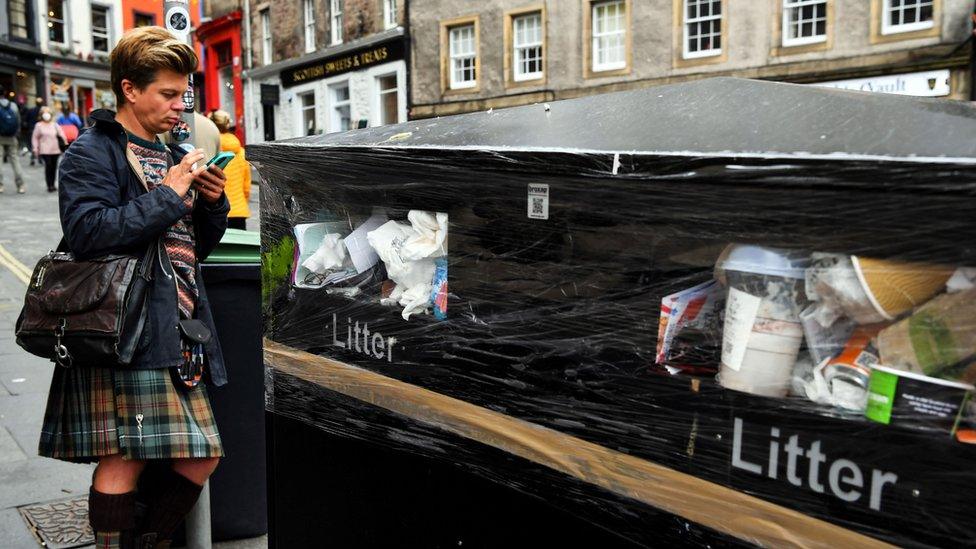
(544, 364)
(238, 496)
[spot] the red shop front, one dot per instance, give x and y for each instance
(221, 41)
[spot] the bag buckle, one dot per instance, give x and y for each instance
(39, 279)
(61, 355)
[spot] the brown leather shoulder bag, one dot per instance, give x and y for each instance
(86, 313)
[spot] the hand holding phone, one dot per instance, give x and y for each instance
(211, 182)
(221, 159)
(181, 176)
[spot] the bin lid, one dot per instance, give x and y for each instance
(237, 246)
(717, 116)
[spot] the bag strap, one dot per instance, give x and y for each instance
(145, 265)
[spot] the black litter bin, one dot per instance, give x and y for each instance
(238, 496)
(546, 373)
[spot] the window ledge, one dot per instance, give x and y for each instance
(528, 78)
(608, 68)
(512, 83)
(806, 41)
(910, 27)
(701, 54)
(461, 91)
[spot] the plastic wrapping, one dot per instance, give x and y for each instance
(725, 302)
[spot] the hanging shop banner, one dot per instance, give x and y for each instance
(921, 84)
(353, 60)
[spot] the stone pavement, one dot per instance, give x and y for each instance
(29, 227)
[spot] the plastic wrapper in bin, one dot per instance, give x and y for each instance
(698, 300)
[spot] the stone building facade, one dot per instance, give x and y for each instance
(320, 66)
(468, 56)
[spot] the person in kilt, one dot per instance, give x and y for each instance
(121, 191)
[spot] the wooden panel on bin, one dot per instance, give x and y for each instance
(706, 503)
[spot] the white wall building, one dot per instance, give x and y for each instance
(77, 36)
(357, 84)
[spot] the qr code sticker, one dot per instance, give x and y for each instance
(537, 205)
(538, 201)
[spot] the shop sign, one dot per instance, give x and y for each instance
(23, 60)
(354, 60)
(921, 84)
(270, 94)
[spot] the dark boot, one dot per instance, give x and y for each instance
(167, 510)
(112, 518)
(152, 541)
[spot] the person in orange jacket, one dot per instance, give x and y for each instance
(238, 172)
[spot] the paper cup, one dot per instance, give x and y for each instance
(762, 333)
(767, 363)
(896, 287)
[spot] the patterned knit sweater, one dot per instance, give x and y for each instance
(178, 241)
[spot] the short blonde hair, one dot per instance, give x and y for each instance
(222, 120)
(145, 50)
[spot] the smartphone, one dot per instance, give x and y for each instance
(221, 160)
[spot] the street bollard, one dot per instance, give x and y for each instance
(198, 522)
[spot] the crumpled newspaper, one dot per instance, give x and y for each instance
(409, 251)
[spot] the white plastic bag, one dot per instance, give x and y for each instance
(408, 251)
(329, 255)
(430, 239)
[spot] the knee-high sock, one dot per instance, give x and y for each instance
(110, 515)
(171, 505)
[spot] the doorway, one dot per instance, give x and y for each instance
(269, 122)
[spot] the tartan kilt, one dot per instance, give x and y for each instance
(142, 414)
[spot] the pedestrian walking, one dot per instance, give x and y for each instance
(122, 190)
(70, 124)
(68, 116)
(33, 116)
(238, 173)
(46, 145)
(9, 146)
(24, 134)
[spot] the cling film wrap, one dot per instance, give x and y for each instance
(700, 302)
